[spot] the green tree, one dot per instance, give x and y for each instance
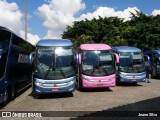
(144, 31)
(141, 31)
(82, 40)
(101, 30)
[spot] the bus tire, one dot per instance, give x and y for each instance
(79, 80)
(70, 94)
(153, 75)
(134, 83)
(35, 96)
(80, 88)
(13, 93)
(6, 97)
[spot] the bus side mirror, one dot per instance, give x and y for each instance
(31, 55)
(76, 58)
(79, 58)
(117, 57)
(158, 59)
(146, 58)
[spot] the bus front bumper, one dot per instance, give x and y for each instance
(130, 77)
(98, 82)
(54, 86)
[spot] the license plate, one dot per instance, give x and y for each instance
(55, 90)
(99, 85)
(134, 80)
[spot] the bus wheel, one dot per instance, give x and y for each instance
(153, 75)
(13, 94)
(6, 97)
(80, 88)
(35, 96)
(79, 81)
(134, 83)
(70, 94)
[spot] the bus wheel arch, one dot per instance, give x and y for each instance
(10, 93)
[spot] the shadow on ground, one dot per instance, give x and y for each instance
(69, 94)
(127, 84)
(52, 95)
(95, 90)
(125, 112)
(17, 95)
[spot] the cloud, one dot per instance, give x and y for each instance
(57, 14)
(33, 39)
(12, 18)
(156, 12)
(110, 12)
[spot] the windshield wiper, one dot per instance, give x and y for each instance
(49, 69)
(94, 67)
(126, 67)
(60, 67)
(139, 69)
(104, 69)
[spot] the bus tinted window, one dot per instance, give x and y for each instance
(23, 44)
(4, 39)
(4, 44)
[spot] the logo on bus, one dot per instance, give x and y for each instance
(22, 58)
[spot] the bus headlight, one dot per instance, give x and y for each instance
(39, 83)
(110, 79)
(123, 74)
(71, 82)
(86, 79)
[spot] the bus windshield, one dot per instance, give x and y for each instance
(98, 63)
(54, 63)
(131, 62)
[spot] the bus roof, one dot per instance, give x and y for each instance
(4, 28)
(94, 47)
(54, 42)
(126, 49)
(152, 51)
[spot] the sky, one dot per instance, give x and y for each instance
(47, 19)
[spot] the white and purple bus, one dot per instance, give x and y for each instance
(97, 66)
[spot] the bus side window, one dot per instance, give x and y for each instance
(4, 45)
(155, 58)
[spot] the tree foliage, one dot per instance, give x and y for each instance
(141, 31)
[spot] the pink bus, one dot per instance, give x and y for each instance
(97, 66)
